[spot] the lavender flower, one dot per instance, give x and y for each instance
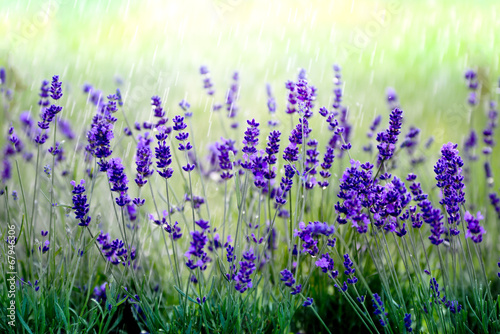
(285, 185)
(44, 94)
(349, 270)
(157, 109)
(247, 267)
(163, 154)
(410, 142)
(250, 140)
(207, 82)
(80, 203)
(55, 88)
(357, 189)
(292, 97)
(450, 180)
(144, 160)
(118, 180)
(2, 76)
(378, 305)
(495, 202)
(474, 230)
(308, 302)
(472, 84)
(273, 148)
(392, 98)
(489, 131)
(407, 321)
(308, 234)
(179, 125)
(197, 257)
(115, 251)
(225, 163)
(388, 138)
(271, 104)
(326, 264)
(325, 166)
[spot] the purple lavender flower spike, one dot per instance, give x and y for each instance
(474, 230)
(308, 302)
(247, 267)
(44, 94)
(80, 203)
(2, 76)
(250, 140)
(378, 305)
(157, 108)
(207, 82)
(163, 154)
(55, 88)
(197, 257)
(144, 160)
(450, 180)
(472, 85)
(118, 180)
(388, 138)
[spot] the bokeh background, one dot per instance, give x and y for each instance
(421, 48)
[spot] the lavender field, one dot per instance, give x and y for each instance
(249, 167)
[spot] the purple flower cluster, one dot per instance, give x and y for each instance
(452, 305)
(100, 135)
(287, 277)
(378, 305)
(472, 85)
(391, 200)
(118, 180)
(450, 180)
(285, 185)
(308, 234)
(301, 131)
(407, 321)
(326, 264)
(489, 131)
(325, 166)
(250, 140)
(174, 230)
(225, 163)
(474, 230)
(392, 98)
(387, 139)
(80, 203)
(357, 192)
(349, 270)
(115, 251)
(184, 145)
(337, 90)
(247, 267)
(411, 140)
(207, 82)
(157, 108)
(163, 154)
(306, 94)
(143, 160)
(197, 257)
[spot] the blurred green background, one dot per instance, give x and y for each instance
(421, 48)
